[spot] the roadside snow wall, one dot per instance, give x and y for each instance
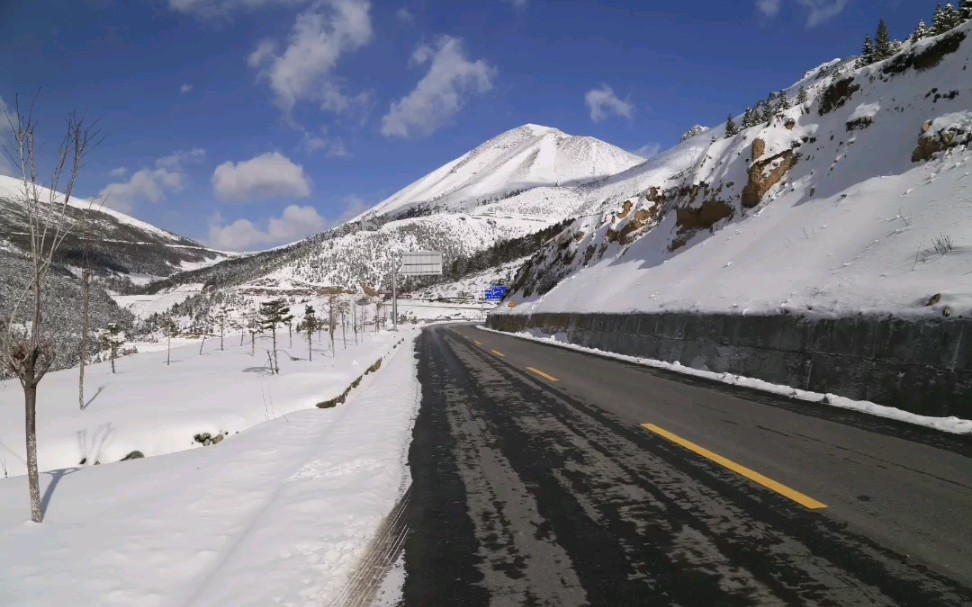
(922, 366)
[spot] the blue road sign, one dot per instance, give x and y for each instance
(496, 294)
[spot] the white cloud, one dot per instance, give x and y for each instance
(300, 71)
(648, 150)
(333, 147)
(180, 158)
(296, 222)
(185, 88)
(441, 93)
(268, 176)
(405, 16)
(818, 11)
(150, 185)
(770, 8)
(822, 10)
(224, 8)
(603, 104)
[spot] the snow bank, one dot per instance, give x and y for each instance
(154, 408)
(278, 515)
(953, 425)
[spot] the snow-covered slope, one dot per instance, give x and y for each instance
(859, 202)
(518, 183)
(120, 244)
(517, 160)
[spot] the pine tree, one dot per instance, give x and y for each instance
(940, 21)
(767, 113)
(965, 10)
(802, 96)
(867, 53)
(952, 17)
(112, 339)
(310, 326)
(784, 101)
(747, 119)
(273, 314)
(922, 31)
(170, 329)
(732, 129)
(883, 45)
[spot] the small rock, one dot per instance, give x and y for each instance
(934, 299)
(218, 439)
(83, 461)
(133, 455)
(206, 442)
(947, 312)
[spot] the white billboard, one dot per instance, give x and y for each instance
(422, 263)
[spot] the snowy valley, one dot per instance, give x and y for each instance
(195, 467)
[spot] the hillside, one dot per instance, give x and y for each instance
(516, 184)
(119, 245)
(857, 201)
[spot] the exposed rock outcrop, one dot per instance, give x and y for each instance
(766, 173)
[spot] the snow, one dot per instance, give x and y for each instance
(156, 408)
(278, 515)
(952, 425)
(12, 188)
(143, 306)
(525, 157)
(850, 229)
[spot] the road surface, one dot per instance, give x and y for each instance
(544, 476)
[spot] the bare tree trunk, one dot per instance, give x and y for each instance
(344, 330)
(222, 332)
(290, 328)
(252, 344)
(354, 322)
(276, 364)
(85, 294)
(203, 343)
(112, 350)
(33, 476)
(168, 351)
(310, 354)
(242, 335)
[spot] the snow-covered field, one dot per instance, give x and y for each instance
(278, 515)
(156, 408)
(953, 425)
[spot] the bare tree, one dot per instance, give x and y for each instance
(27, 347)
(85, 299)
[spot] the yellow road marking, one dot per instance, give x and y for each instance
(542, 374)
(477, 343)
(756, 477)
(498, 353)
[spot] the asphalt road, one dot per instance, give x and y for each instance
(542, 487)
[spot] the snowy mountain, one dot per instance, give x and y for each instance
(521, 159)
(516, 184)
(120, 245)
(858, 200)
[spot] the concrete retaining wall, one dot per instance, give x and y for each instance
(922, 366)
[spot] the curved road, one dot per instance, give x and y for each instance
(544, 476)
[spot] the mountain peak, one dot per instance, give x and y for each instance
(526, 157)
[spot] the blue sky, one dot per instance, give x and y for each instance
(249, 123)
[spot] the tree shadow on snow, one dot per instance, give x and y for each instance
(56, 476)
(92, 399)
(92, 449)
